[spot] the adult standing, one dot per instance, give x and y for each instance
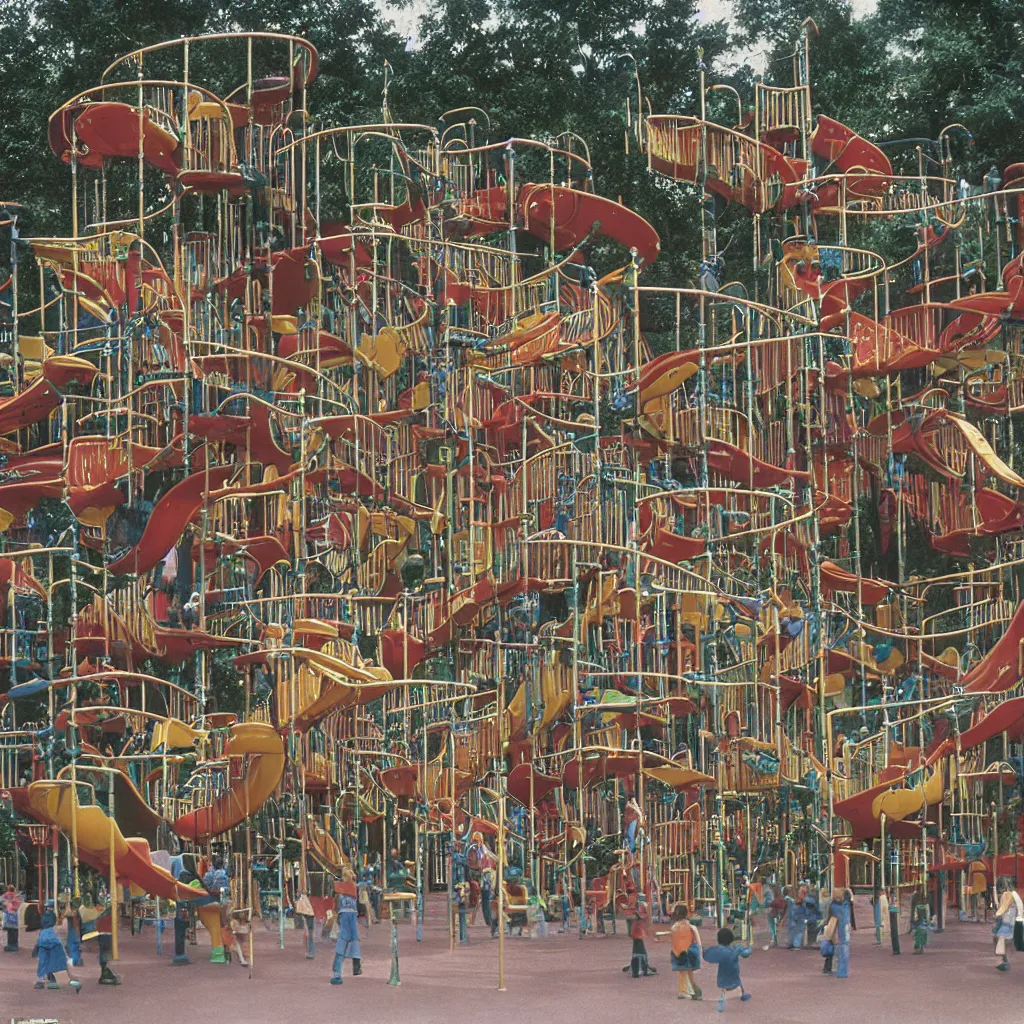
(1009, 911)
(348, 927)
(841, 910)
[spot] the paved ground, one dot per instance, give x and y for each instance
(560, 978)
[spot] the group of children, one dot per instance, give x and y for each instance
(688, 954)
(800, 911)
(58, 946)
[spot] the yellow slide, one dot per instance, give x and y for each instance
(249, 789)
(55, 803)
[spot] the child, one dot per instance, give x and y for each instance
(828, 947)
(74, 924)
(686, 952)
(52, 958)
(812, 913)
(304, 911)
(796, 920)
(10, 903)
(97, 923)
(348, 928)
(638, 932)
(727, 956)
(776, 913)
(920, 916)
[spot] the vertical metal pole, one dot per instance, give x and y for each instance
(280, 892)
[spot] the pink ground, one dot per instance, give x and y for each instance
(561, 979)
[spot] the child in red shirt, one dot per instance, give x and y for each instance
(638, 928)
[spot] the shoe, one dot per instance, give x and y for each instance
(309, 956)
(357, 967)
(698, 994)
(243, 961)
(77, 986)
(336, 980)
(721, 1004)
(1004, 966)
(626, 969)
(745, 997)
(651, 970)
(40, 984)
(52, 984)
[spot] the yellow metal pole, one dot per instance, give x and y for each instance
(113, 870)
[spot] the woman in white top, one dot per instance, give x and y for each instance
(1009, 910)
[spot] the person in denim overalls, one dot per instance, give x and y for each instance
(348, 927)
(841, 908)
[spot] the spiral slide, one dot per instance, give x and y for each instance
(250, 787)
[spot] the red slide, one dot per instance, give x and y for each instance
(170, 516)
(1000, 668)
(572, 215)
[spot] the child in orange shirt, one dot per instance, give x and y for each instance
(686, 952)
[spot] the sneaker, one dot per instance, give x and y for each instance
(721, 1004)
(243, 961)
(77, 986)
(1004, 966)
(744, 997)
(52, 984)
(335, 980)
(651, 970)
(40, 984)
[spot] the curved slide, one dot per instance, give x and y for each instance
(248, 792)
(51, 802)
(170, 516)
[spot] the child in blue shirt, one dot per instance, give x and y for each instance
(727, 956)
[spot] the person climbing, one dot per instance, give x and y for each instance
(632, 821)
(728, 957)
(840, 909)
(686, 952)
(53, 961)
(10, 904)
(1009, 910)
(348, 927)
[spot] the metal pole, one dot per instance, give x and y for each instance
(280, 892)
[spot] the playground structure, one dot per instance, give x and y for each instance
(506, 559)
